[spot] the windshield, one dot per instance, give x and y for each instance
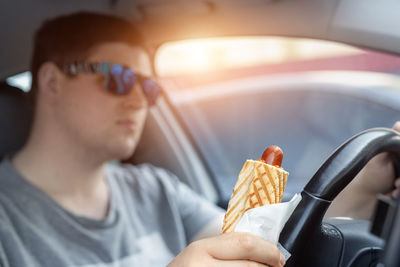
(238, 96)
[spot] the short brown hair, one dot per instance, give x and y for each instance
(70, 38)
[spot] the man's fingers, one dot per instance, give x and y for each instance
(238, 263)
(397, 182)
(244, 246)
(396, 126)
(395, 193)
(230, 250)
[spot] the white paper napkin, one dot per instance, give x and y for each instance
(268, 221)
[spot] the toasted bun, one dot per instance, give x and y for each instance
(258, 184)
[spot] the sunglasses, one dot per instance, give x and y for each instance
(119, 79)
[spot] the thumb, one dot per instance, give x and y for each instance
(396, 126)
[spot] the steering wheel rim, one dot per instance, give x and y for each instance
(334, 175)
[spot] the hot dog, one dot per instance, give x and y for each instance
(260, 182)
(273, 155)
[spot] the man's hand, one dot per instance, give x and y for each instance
(396, 192)
(358, 199)
(230, 250)
(378, 175)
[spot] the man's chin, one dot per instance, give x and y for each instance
(124, 152)
(125, 156)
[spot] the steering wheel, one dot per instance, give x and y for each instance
(336, 242)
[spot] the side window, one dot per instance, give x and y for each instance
(238, 96)
(22, 81)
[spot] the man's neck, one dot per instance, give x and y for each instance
(71, 179)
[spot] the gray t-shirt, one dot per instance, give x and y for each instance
(152, 217)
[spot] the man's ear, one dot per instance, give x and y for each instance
(49, 81)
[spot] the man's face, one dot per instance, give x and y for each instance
(107, 125)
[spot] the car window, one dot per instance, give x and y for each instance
(237, 96)
(21, 81)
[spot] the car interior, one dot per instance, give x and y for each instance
(204, 133)
(16, 116)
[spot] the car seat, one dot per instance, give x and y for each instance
(16, 114)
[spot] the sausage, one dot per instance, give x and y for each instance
(273, 155)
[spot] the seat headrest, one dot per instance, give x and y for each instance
(15, 118)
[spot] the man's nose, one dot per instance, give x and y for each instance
(135, 99)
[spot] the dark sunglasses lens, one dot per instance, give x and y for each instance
(120, 80)
(151, 90)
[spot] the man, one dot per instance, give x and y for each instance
(61, 204)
